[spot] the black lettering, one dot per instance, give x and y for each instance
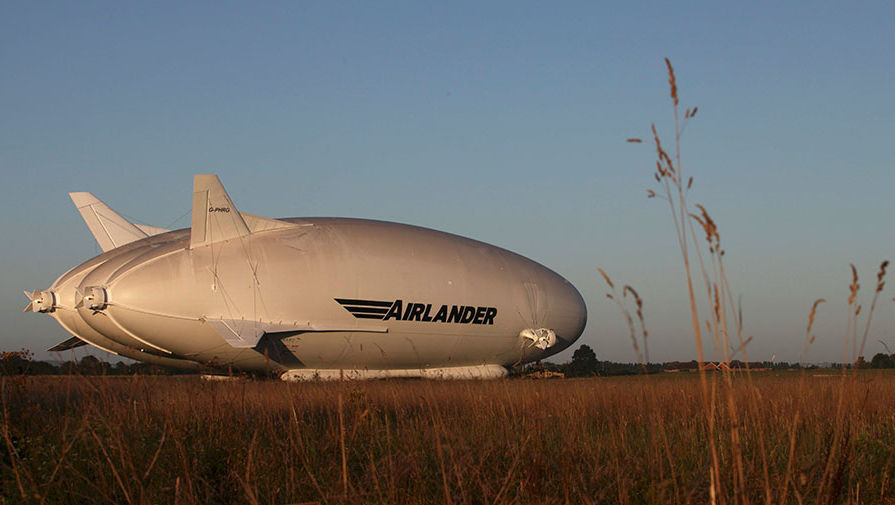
(394, 311)
(456, 314)
(417, 311)
(479, 314)
(468, 314)
(441, 316)
(464, 314)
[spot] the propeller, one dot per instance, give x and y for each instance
(92, 297)
(41, 301)
(539, 337)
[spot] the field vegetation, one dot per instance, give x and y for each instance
(636, 439)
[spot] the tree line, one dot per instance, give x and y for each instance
(584, 363)
(23, 363)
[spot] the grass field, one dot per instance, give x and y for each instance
(642, 439)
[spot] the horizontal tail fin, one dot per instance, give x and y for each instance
(68, 344)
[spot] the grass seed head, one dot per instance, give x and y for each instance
(708, 225)
(639, 302)
(606, 277)
(812, 314)
(637, 299)
(672, 82)
(664, 161)
(880, 283)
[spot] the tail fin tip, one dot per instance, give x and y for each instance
(215, 218)
(107, 226)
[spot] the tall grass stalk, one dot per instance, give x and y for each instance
(674, 188)
(725, 318)
(643, 358)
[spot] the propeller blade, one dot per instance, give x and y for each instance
(30, 306)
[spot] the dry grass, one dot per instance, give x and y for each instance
(608, 440)
(732, 417)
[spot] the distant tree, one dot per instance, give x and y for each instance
(881, 360)
(15, 362)
(547, 365)
(584, 362)
(43, 368)
(89, 365)
(682, 365)
(861, 363)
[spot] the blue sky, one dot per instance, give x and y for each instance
(502, 121)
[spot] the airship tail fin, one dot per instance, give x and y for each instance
(68, 344)
(215, 218)
(107, 226)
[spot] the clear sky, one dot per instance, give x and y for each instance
(501, 121)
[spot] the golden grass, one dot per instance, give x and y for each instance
(731, 417)
(604, 440)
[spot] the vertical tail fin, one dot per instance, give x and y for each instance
(215, 218)
(107, 226)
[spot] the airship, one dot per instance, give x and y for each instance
(307, 298)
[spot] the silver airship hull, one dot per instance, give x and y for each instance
(309, 297)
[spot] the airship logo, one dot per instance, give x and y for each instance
(412, 311)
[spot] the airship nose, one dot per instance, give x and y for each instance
(567, 317)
